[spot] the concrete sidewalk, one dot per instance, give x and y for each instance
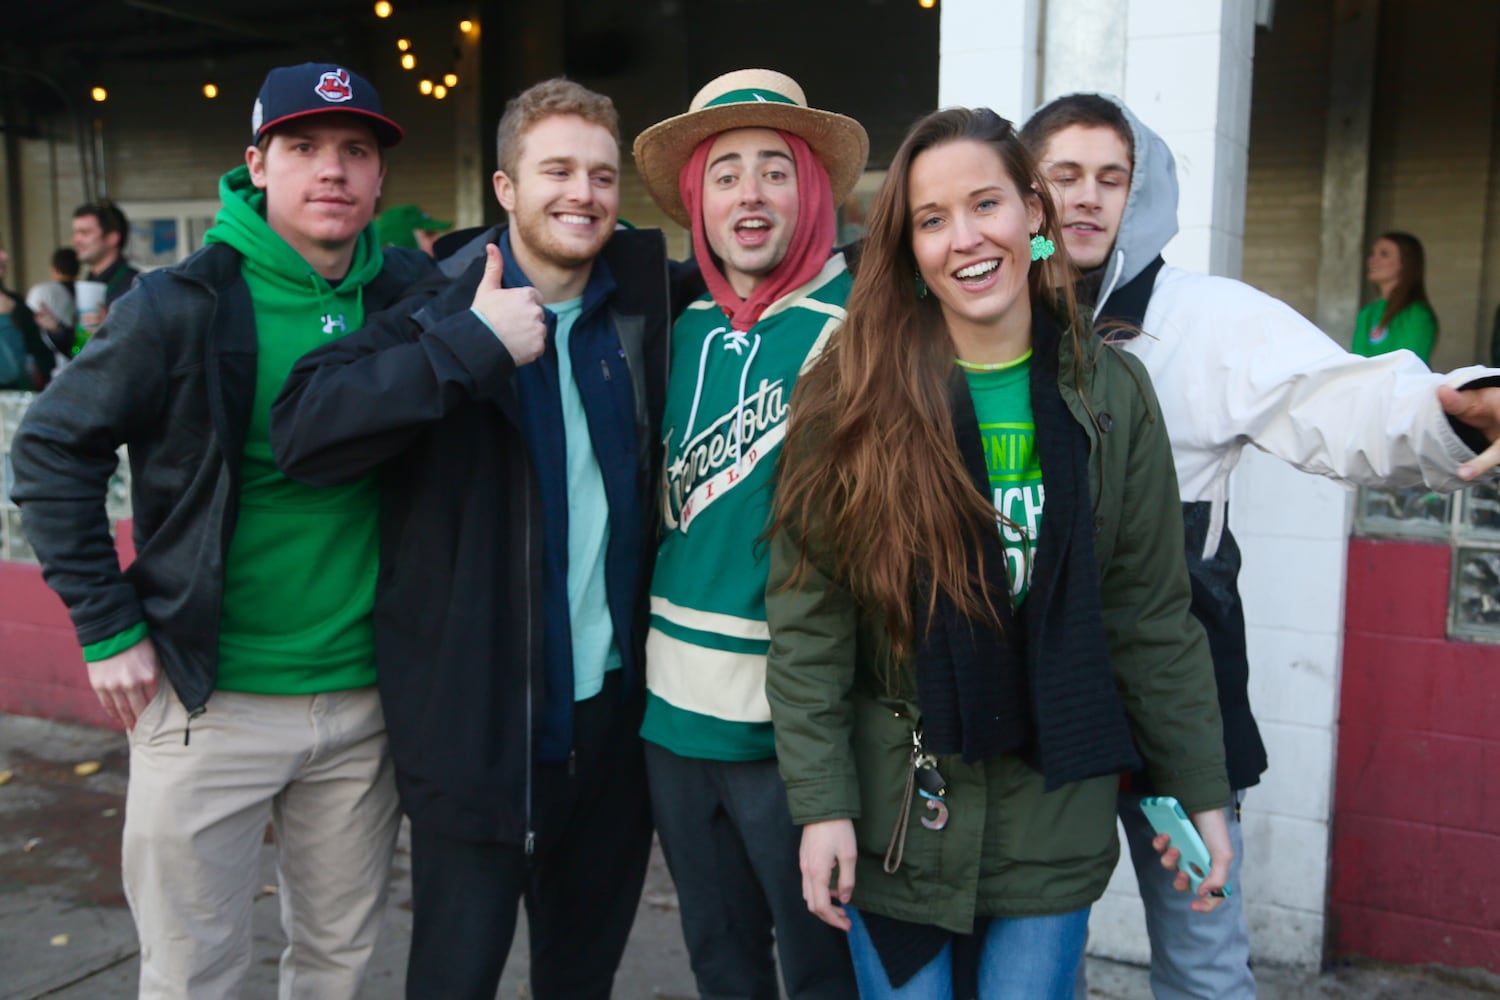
(65, 930)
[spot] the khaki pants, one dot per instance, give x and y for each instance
(316, 767)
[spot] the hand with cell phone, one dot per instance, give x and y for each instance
(1196, 847)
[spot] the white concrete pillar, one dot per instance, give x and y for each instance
(987, 56)
(1184, 67)
(1084, 47)
(1187, 75)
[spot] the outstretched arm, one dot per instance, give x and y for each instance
(1234, 366)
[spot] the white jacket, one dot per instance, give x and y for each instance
(1233, 366)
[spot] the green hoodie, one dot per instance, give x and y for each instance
(299, 582)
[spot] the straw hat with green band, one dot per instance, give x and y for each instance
(748, 98)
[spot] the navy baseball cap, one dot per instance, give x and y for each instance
(318, 89)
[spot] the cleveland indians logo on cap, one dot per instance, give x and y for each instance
(334, 87)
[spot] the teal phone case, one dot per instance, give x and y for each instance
(1165, 814)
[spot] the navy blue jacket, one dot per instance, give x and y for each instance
(603, 380)
(470, 609)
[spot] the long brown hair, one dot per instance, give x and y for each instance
(1412, 285)
(871, 480)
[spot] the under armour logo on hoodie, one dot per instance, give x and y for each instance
(334, 324)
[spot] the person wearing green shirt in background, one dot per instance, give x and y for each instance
(409, 226)
(1402, 318)
(250, 595)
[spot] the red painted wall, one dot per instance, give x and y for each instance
(1416, 844)
(41, 670)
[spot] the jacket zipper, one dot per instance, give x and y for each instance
(187, 727)
(530, 844)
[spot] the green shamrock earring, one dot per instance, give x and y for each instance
(921, 285)
(1041, 247)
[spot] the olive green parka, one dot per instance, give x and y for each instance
(844, 735)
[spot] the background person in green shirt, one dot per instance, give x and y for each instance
(409, 226)
(250, 595)
(1402, 318)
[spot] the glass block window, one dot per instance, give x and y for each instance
(13, 544)
(1415, 512)
(1469, 521)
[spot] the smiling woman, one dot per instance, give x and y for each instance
(1402, 317)
(971, 236)
(962, 440)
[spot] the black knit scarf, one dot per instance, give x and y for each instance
(1045, 688)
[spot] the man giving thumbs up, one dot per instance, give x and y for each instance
(511, 418)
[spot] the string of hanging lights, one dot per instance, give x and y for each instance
(436, 88)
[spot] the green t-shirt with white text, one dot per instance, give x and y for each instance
(1002, 402)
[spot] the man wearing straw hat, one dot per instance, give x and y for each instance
(755, 174)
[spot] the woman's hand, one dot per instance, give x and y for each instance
(1214, 830)
(826, 846)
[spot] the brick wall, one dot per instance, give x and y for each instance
(1416, 855)
(41, 669)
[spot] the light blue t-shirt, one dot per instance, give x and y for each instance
(594, 647)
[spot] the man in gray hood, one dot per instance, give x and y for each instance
(1233, 366)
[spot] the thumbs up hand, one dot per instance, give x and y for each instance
(515, 314)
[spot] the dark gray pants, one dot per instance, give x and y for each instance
(580, 888)
(732, 850)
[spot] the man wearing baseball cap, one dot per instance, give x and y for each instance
(755, 174)
(237, 648)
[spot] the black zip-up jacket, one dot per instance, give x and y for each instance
(425, 396)
(171, 375)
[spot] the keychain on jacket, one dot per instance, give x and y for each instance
(932, 787)
(924, 779)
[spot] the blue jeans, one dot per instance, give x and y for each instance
(1023, 958)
